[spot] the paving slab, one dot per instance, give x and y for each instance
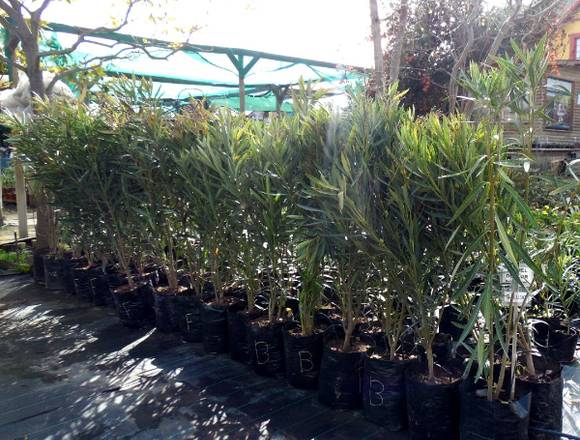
(69, 370)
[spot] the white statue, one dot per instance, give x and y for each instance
(17, 101)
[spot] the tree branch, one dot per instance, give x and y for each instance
(453, 77)
(82, 36)
(14, 63)
(38, 12)
(87, 66)
(7, 8)
(502, 32)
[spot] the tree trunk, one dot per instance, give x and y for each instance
(460, 62)
(499, 37)
(395, 61)
(378, 50)
(44, 212)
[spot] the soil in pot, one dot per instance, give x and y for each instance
(215, 327)
(375, 337)
(166, 319)
(442, 345)
(383, 391)
(267, 346)
(53, 272)
(238, 331)
(432, 408)
(188, 311)
(481, 419)
(327, 317)
(546, 406)
(339, 384)
(562, 344)
(303, 355)
(131, 307)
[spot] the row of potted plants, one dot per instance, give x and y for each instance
(328, 243)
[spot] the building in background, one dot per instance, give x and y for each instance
(558, 137)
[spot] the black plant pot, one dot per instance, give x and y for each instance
(53, 272)
(215, 328)
(383, 392)
(546, 405)
(481, 419)
(432, 409)
(541, 331)
(268, 347)
(165, 308)
(82, 277)
(100, 292)
(562, 344)
(238, 332)
(188, 311)
(452, 322)
(303, 356)
(339, 384)
(68, 276)
(133, 310)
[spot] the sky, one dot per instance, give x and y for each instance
(327, 30)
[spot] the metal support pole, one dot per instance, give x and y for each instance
(242, 95)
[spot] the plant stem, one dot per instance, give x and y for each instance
(491, 260)
(430, 362)
(347, 312)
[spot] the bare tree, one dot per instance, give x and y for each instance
(24, 25)
(514, 7)
(460, 61)
(395, 59)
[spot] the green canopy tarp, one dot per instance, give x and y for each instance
(224, 76)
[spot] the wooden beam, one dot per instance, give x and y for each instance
(21, 205)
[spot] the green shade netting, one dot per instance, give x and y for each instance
(201, 71)
(253, 103)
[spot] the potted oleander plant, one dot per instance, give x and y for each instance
(374, 130)
(204, 167)
(504, 220)
(332, 186)
(274, 191)
(303, 341)
(157, 138)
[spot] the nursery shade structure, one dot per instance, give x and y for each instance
(240, 78)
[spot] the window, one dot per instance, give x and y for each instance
(559, 104)
(577, 46)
